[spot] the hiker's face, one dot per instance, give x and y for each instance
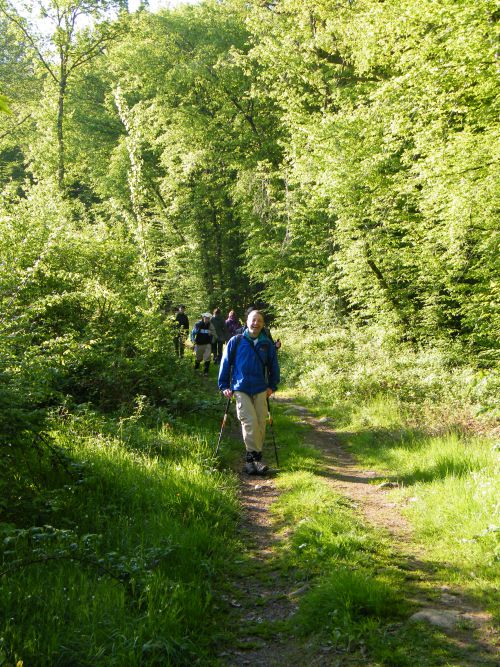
(255, 322)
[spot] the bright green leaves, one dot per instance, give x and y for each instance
(341, 157)
(389, 113)
(4, 104)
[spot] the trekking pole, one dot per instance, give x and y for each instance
(224, 419)
(272, 430)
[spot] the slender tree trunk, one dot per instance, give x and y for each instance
(60, 129)
(388, 290)
(135, 182)
(218, 247)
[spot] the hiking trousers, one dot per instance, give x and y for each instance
(252, 413)
(203, 352)
(217, 348)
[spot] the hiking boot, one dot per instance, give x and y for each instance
(250, 468)
(259, 468)
(206, 366)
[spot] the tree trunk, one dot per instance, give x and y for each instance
(388, 290)
(60, 129)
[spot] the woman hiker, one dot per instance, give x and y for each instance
(232, 324)
(249, 370)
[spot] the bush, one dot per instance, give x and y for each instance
(82, 312)
(353, 366)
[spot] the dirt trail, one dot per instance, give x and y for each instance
(358, 485)
(265, 594)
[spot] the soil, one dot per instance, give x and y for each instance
(266, 593)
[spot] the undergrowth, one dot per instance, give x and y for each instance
(114, 554)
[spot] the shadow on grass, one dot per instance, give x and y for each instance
(354, 479)
(376, 447)
(363, 612)
(445, 467)
(382, 440)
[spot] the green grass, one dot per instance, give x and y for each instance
(324, 524)
(359, 589)
(450, 485)
(141, 529)
(406, 416)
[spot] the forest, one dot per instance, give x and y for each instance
(334, 162)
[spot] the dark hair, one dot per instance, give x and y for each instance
(217, 311)
(249, 310)
(181, 305)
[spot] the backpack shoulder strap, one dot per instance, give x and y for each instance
(266, 368)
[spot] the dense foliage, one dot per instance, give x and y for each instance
(335, 161)
(341, 158)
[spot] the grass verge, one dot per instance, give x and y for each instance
(115, 555)
(413, 418)
(357, 590)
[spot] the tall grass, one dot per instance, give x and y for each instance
(119, 562)
(346, 367)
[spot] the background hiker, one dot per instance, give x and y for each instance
(221, 335)
(250, 370)
(233, 324)
(182, 323)
(202, 336)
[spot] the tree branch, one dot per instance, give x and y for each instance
(6, 134)
(17, 22)
(91, 51)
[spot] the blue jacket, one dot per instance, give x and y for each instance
(248, 372)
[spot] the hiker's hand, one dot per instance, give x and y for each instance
(227, 393)
(277, 344)
(269, 392)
